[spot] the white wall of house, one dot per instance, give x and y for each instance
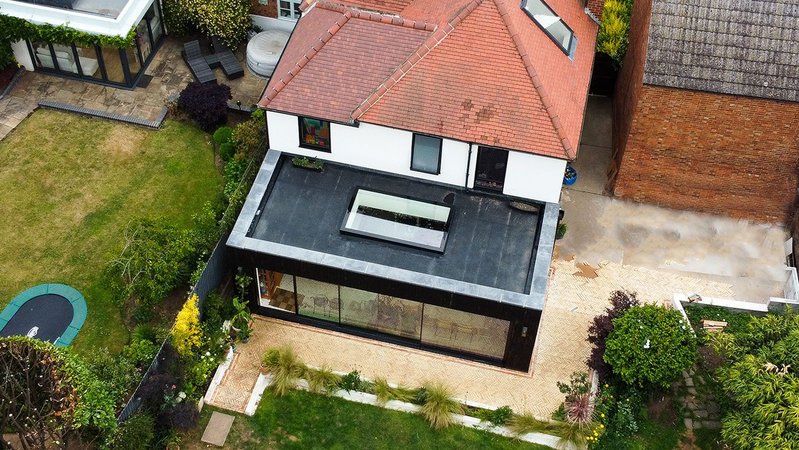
(131, 14)
(370, 146)
(389, 150)
(270, 23)
(534, 176)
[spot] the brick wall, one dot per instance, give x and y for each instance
(715, 153)
(268, 10)
(631, 75)
(595, 6)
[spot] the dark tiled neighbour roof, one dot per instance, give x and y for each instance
(739, 47)
(474, 70)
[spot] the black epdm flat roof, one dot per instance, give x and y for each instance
(489, 243)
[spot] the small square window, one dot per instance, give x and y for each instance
(315, 134)
(426, 154)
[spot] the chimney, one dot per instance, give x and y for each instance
(595, 8)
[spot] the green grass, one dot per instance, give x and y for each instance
(301, 420)
(70, 186)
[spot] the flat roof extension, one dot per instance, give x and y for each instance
(491, 252)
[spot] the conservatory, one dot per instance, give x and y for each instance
(122, 67)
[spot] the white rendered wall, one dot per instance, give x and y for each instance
(370, 146)
(533, 176)
(22, 55)
(130, 15)
(270, 23)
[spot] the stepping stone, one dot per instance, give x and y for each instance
(701, 413)
(689, 382)
(218, 428)
(712, 424)
(689, 424)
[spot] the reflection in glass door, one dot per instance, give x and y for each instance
(490, 171)
(276, 290)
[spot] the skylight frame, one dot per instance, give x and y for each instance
(573, 38)
(348, 225)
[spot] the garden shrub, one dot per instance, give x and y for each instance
(178, 17)
(223, 135)
(650, 346)
(216, 309)
(737, 322)
(227, 19)
(439, 407)
(248, 136)
(119, 374)
(140, 352)
(614, 28)
(285, 368)
(136, 433)
(156, 259)
(6, 55)
(184, 416)
(620, 301)
(234, 173)
(227, 151)
(205, 103)
(353, 382)
(322, 381)
(762, 384)
(186, 333)
(497, 417)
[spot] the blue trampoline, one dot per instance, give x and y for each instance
(50, 312)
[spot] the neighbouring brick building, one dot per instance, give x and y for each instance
(707, 107)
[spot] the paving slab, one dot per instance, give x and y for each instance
(218, 428)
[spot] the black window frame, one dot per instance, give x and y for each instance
(413, 153)
(303, 144)
(482, 184)
(572, 42)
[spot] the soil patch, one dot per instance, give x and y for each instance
(662, 412)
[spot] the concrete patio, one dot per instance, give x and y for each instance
(749, 257)
(170, 75)
(561, 347)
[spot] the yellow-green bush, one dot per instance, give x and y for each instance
(187, 334)
(612, 39)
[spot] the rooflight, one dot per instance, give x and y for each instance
(398, 219)
(550, 22)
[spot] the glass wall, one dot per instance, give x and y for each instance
(103, 64)
(380, 312)
(317, 299)
(428, 324)
(458, 330)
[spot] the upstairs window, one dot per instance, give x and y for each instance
(550, 22)
(315, 134)
(426, 154)
(289, 9)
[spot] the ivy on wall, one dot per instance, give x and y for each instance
(13, 29)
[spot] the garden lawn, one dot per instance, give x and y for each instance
(71, 184)
(301, 420)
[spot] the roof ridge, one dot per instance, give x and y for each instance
(375, 16)
(504, 13)
(439, 34)
(305, 59)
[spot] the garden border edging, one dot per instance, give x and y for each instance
(264, 380)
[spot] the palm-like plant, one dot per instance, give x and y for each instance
(439, 407)
(285, 368)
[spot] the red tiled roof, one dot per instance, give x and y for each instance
(474, 70)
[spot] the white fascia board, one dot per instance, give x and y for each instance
(130, 15)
